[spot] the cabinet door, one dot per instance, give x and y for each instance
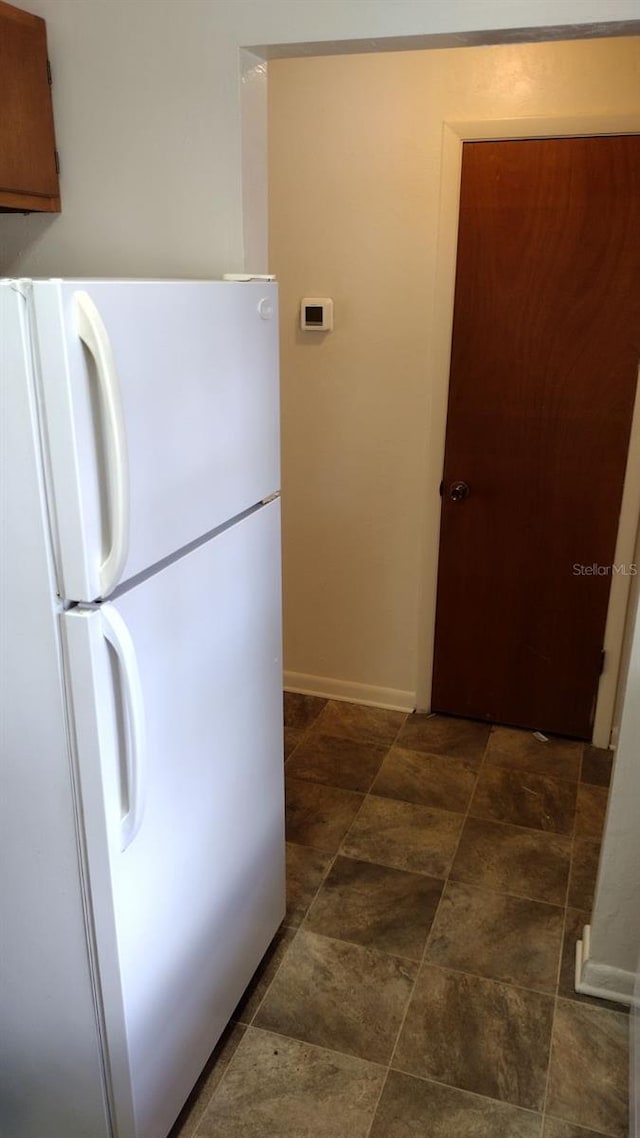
(28, 175)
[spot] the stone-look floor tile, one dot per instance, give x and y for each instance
(417, 1108)
(555, 1128)
(306, 868)
(442, 735)
(574, 922)
(509, 859)
(504, 938)
(337, 762)
(340, 996)
(404, 835)
(280, 1088)
(588, 1076)
(292, 736)
(254, 993)
(477, 1035)
(430, 780)
(597, 765)
(539, 802)
(376, 906)
(355, 721)
(591, 811)
(508, 747)
(319, 816)
(198, 1101)
(300, 711)
(584, 870)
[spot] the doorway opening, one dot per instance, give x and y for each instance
(325, 673)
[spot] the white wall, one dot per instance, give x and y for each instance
(147, 109)
(615, 923)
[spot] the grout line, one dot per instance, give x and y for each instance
(424, 964)
(472, 1094)
(295, 930)
(435, 915)
(482, 888)
(330, 864)
(378, 1101)
(517, 826)
(420, 805)
(587, 1129)
(316, 1047)
(540, 774)
(562, 945)
(366, 948)
(418, 963)
(232, 1024)
(339, 851)
(433, 876)
(304, 732)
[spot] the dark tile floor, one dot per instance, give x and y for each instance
(439, 874)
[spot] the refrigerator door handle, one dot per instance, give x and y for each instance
(92, 332)
(117, 634)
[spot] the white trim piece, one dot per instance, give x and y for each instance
(601, 980)
(619, 595)
(454, 135)
(326, 687)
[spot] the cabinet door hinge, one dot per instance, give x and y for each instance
(49, 79)
(57, 160)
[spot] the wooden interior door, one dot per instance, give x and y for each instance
(546, 345)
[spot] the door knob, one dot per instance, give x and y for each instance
(458, 491)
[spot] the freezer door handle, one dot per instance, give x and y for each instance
(119, 637)
(92, 332)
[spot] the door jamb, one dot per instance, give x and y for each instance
(454, 134)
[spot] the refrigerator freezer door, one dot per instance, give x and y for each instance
(161, 417)
(184, 908)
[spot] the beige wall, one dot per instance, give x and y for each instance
(355, 149)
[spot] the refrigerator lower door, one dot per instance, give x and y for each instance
(175, 693)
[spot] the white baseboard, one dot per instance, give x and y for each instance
(601, 980)
(390, 698)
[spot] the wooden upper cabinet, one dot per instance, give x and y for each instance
(28, 161)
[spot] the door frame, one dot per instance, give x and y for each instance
(454, 135)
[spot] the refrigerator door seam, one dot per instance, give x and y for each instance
(30, 334)
(179, 554)
(85, 878)
(83, 871)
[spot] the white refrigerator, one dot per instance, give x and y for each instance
(141, 796)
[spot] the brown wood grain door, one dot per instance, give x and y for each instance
(546, 345)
